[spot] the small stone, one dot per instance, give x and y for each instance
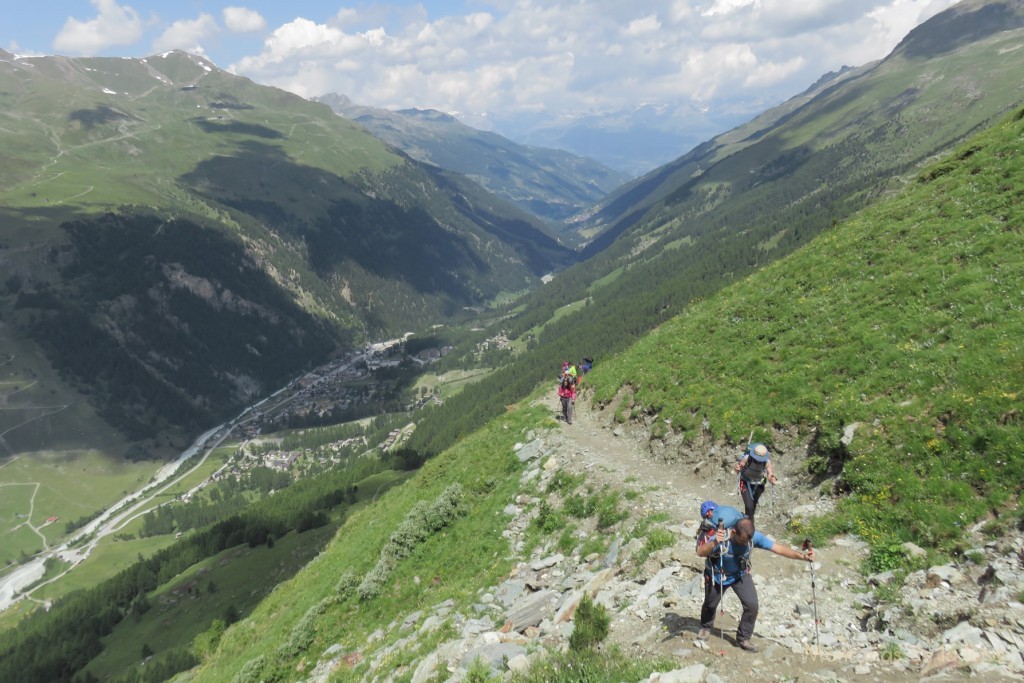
(914, 550)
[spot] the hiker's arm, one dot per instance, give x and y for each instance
(792, 553)
(771, 473)
(740, 463)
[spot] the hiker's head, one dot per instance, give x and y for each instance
(759, 452)
(743, 531)
(706, 508)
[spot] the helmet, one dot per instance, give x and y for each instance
(707, 507)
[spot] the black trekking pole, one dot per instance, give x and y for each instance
(814, 601)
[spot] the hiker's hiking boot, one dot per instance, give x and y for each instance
(748, 646)
(703, 633)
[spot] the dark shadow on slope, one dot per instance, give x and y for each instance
(228, 101)
(674, 625)
(339, 222)
(238, 128)
(97, 116)
(158, 319)
(541, 250)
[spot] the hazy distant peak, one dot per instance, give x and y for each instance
(428, 114)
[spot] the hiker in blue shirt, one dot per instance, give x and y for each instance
(728, 566)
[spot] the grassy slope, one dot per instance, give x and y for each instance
(907, 317)
(162, 132)
(486, 467)
(242, 576)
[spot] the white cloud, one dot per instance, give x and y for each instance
(243, 20)
(639, 27)
(113, 25)
(187, 34)
(725, 7)
(573, 57)
(770, 73)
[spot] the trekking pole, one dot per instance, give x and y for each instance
(814, 601)
(721, 583)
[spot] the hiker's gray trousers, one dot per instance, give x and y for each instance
(745, 591)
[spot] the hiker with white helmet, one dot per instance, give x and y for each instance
(755, 468)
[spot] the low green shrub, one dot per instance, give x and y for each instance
(591, 625)
(567, 541)
(891, 651)
(304, 631)
(564, 481)
(420, 522)
(610, 665)
(608, 512)
(251, 671)
(548, 519)
(347, 585)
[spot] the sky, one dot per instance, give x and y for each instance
(560, 57)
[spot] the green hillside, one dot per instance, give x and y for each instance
(758, 193)
(905, 319)
(179, 240)
(905, 322)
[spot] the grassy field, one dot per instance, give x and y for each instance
(71, 486)
(558, 314)
(451, 383)
(38, 411)
(483, 465)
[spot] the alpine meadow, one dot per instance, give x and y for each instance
(278, 391)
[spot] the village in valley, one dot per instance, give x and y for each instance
(339, 387)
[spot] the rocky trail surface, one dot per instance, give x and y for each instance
(946, 623)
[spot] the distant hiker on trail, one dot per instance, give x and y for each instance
(727, 565)
(755, 468)
(567, 395)
(583, 368)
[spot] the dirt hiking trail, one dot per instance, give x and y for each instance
(669, 481)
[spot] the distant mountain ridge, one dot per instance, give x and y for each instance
(845, 136)
(341, 236)
(551, 183)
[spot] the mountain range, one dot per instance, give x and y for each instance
(547, 182)
(177, 240)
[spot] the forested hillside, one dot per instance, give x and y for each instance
(181, 240)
